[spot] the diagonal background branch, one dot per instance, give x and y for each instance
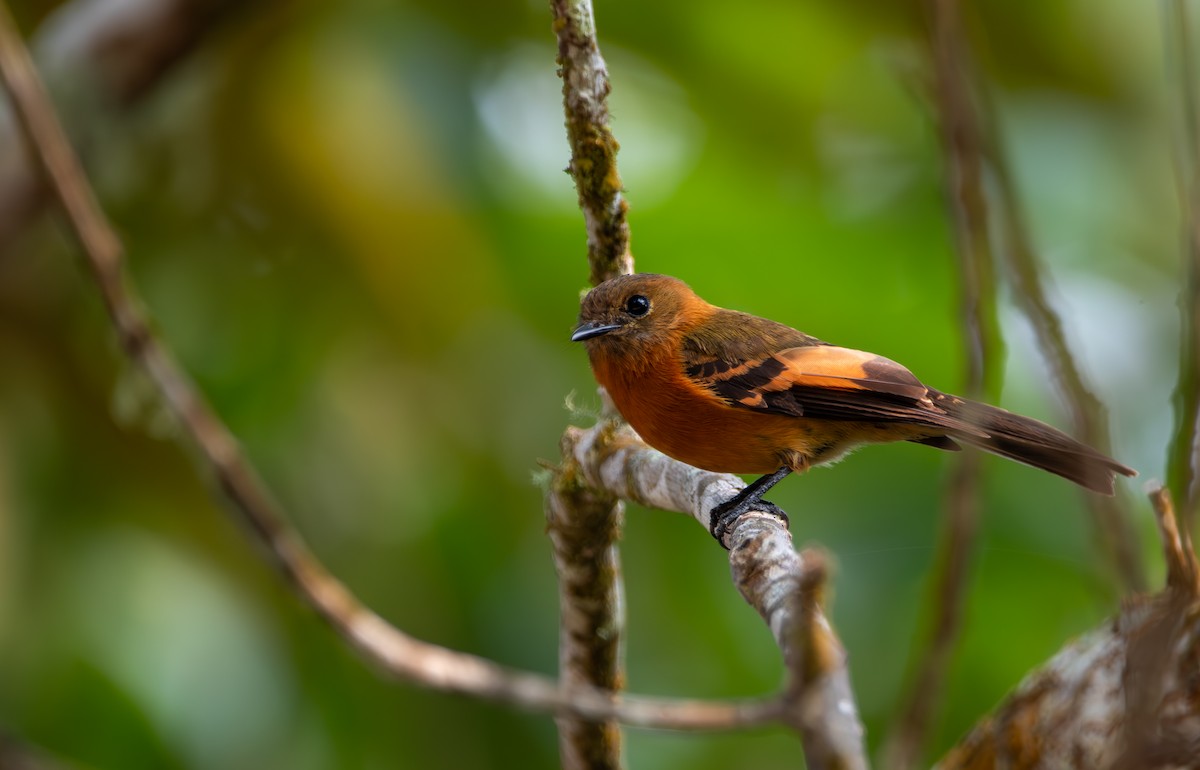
(1112, 516)
(393, 651)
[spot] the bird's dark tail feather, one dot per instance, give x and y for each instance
(1034, 443)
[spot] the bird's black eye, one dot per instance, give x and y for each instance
(637, 305)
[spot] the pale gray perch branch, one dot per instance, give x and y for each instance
(768, 571)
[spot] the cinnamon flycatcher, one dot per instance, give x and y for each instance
(730, 392)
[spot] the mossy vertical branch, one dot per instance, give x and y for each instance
(593, 163)
(584, 524)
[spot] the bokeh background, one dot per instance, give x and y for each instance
(352, 223)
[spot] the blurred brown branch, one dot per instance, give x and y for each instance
(118, 49)
(1125, 695)
(393, 651)
(962, 160)
(972, 152)
(1112, 516)
(1183, 455)
(17, 755)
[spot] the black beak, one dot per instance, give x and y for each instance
(591, 329)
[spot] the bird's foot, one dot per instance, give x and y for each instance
(724, 516)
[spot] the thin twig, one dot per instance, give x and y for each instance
(1150, 654)
(1183, 457)
(962, 159)
(1183, 571)
(395, 652)
(593, 147)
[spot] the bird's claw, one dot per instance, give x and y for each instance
(724, 516)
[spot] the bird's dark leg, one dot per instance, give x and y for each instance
(724, 515)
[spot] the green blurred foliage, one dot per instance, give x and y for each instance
(351, 222)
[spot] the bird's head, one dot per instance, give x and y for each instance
(632, 314)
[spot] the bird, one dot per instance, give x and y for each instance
(731, 392)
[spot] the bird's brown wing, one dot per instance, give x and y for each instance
(825, 382)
